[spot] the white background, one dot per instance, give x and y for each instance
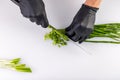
(21, 38)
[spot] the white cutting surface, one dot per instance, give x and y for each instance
(21, 38)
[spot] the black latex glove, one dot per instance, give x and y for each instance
(83, 24)
(34, 10)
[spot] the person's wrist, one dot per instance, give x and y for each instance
(93, 3)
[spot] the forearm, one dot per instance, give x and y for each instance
(93, 3)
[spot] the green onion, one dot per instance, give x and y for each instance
(14, 64)
(110, 30)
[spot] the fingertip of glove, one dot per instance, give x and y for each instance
(83, 39)
(80, 42)
(75, 38)
(32, 19)
(42, 24)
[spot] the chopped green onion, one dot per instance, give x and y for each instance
(57, 36)
(14, 65)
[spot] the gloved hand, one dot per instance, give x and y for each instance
(34, 10)
(83, 24)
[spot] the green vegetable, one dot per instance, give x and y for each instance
(14, 64)
(110, 30)
(57, 36)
